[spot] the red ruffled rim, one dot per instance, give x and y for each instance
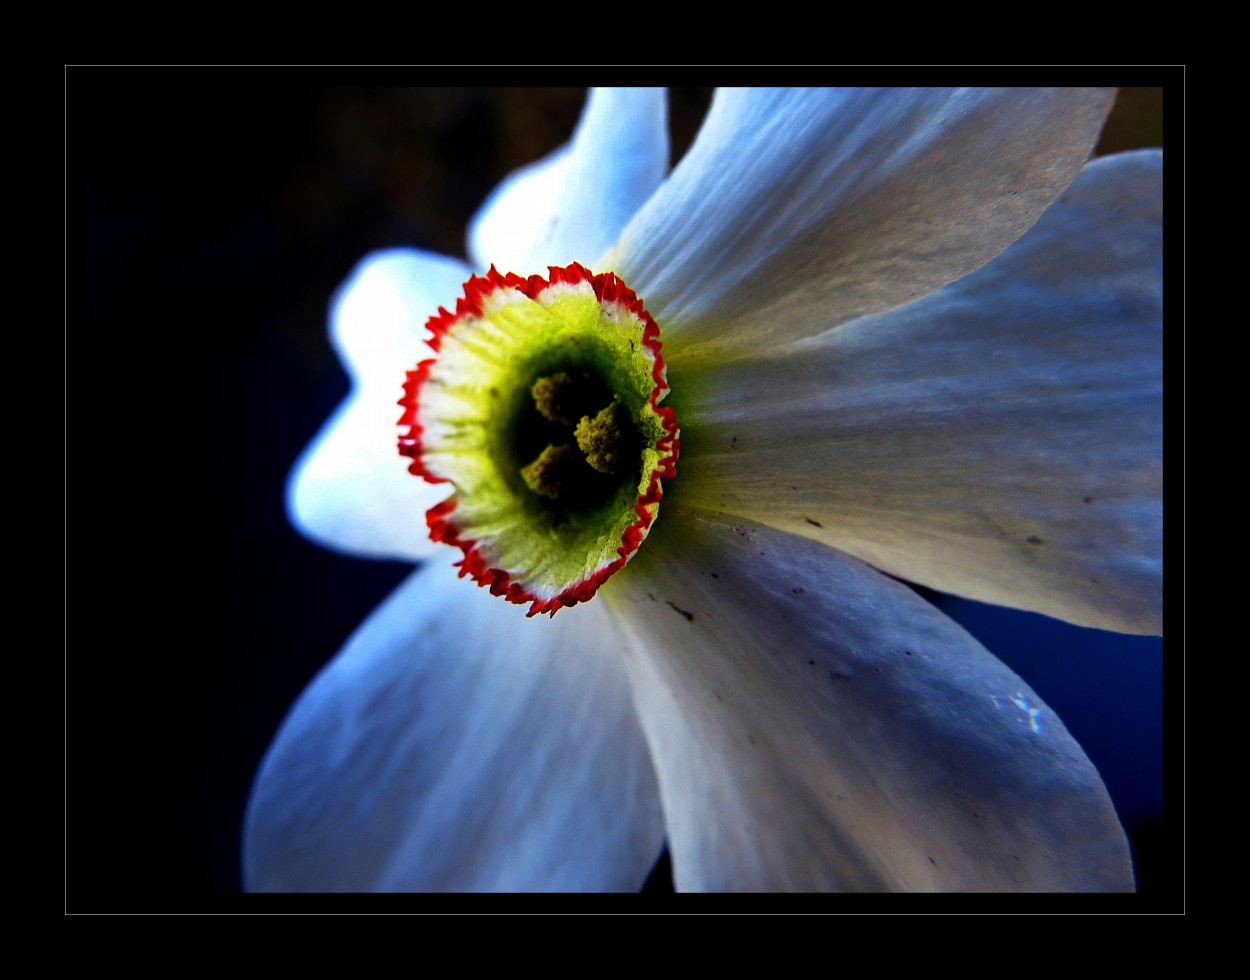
(608, 288)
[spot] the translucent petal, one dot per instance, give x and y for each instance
(571, 206)
(818, 726)
(350, 490)
(454, 745)
(799, 209)
(1000, 439)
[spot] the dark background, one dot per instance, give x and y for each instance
(210, 215)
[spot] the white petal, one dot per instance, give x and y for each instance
(818, 726)
(571, 206)
(351, 490)
(1000, 440)
(378, 316)
(797, 210)
(454, 745)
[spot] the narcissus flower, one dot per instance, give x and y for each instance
(908, 335)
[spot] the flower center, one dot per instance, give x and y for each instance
(586, 451)
(542, 410)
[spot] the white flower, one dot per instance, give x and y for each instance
(860, 390)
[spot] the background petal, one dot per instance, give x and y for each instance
(799, 209)
(1000, 439)
(454, 745)
(571, 206)
(818, 726)
(350, 489)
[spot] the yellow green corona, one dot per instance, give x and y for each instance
(542, 410)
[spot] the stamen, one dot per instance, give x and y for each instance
(568, 403)
(566, 398)
(602, 441)
(553, 397)
(554, 472)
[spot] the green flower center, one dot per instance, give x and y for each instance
(586, 451)
(542, 410)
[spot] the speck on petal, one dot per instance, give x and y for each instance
(1000, 439)
(818, 726)
(454, 745)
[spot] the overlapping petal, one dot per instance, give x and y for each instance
(455, 746)
(817, 726)
(571, 206)
(1000, 439)
(350, 490)
(797, 210)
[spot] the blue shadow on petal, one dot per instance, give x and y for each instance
(1108, 690)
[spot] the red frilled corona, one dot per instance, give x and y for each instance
(542, 409)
